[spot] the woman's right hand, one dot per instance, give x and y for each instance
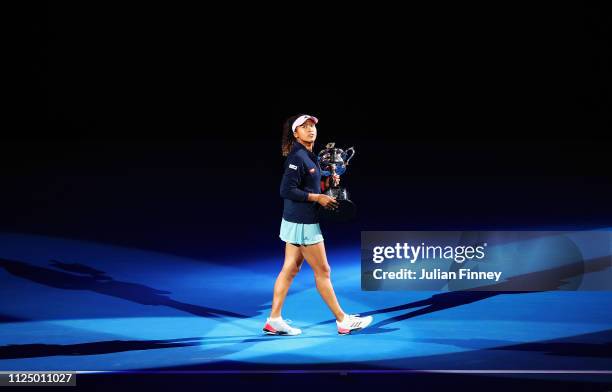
(327, 201)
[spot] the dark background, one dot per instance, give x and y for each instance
(159, 127)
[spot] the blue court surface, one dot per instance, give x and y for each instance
(75, 305)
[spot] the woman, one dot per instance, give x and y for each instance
(300, 188)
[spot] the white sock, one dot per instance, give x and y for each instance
(279, 318)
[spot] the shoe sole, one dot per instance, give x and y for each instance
(350, 332)
(279, 333)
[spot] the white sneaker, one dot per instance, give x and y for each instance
(280, 327)
(352, 322)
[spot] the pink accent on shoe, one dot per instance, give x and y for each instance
(343, 330)
(269, 328)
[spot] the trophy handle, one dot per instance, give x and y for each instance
(352, 150)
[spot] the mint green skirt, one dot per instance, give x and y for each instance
(300, 233)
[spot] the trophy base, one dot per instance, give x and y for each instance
(345, 212)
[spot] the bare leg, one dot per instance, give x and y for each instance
(291, 267)
(317, 259)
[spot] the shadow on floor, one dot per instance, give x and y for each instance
(14, 351)
(594, 345)
(97, 281)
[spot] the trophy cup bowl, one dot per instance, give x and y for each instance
(334, 161)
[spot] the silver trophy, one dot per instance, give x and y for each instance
(334, 161)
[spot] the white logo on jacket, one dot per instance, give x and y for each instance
(292, 167)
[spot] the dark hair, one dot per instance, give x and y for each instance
(288, 139)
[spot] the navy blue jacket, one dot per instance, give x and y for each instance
(302, 176)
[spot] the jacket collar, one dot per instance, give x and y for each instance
(298, 145)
